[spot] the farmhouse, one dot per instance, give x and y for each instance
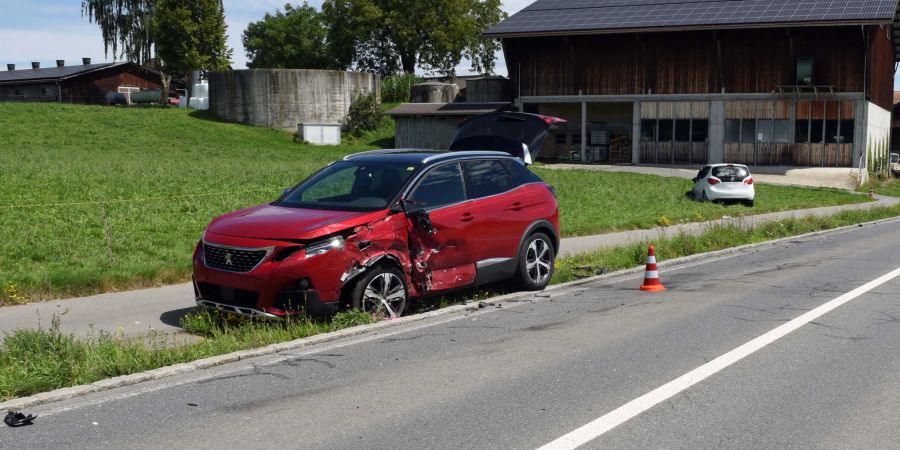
(761, 82)
(84, 83)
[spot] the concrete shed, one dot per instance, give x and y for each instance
(284, 98)
(433, 125)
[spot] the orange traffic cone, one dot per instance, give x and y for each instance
(651, 276)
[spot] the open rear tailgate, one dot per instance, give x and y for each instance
(505, 132)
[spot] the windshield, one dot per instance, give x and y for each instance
(351, 186)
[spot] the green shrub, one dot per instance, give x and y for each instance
(396, 88)
(365, 115)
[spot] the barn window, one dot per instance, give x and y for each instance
(45, 91)
(683, 130)
(733, 131)
(782, 132)
(17, 92)
(764, 131)
(815, 131)
(847, 131)
(648, 130)
(666, 130)
(700, 130)
(748, 131)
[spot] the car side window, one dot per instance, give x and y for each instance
(487, 177)
(440, 187)
(519, 173)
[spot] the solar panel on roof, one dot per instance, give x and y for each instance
(600, 15)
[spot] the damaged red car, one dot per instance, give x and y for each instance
(378, 228)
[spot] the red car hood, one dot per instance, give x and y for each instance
(277, 222)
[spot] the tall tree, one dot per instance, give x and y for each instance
(176, 36)
(293, 39)
(190, 35)
(392, 35)
(125, 26)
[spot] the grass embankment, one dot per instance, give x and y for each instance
(889, 187)
(98, 199)
(37, 361)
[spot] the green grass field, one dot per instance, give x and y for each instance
(96, 199)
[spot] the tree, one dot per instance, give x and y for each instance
(293, 39)
(177, 36)
(190, 36)
(125, 26)
(391, 35)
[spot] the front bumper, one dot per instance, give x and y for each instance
(272, 289)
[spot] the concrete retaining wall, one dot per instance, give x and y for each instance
(284, 98)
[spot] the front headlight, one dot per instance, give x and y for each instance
(318, 248)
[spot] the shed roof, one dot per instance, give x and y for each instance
(53, 73)
(447, 109)
(547, 17)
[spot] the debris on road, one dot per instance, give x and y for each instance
(16, 419)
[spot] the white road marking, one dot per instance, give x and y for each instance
(637, 406)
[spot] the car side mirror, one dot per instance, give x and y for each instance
(398, 207)
(422, 220)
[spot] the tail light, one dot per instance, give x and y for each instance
(748, 180)
(713, 180)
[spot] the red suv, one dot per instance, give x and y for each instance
(377, 228)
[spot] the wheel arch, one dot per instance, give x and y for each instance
(541, 226)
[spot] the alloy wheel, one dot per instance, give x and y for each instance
(385, 295)
(538, 261)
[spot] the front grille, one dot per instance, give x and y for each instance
(228, 296)
(232, 260)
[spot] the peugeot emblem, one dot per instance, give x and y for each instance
(228, 259)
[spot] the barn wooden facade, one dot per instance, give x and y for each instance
(760, 82)
(83, 83)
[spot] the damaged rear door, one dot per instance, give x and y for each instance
(505, 132)
(440, 219)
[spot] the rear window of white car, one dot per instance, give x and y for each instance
(730, 173)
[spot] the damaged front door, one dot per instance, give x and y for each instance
(439, 220)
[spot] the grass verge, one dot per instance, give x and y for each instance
(33, 361)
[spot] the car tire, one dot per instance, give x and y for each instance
(381, 292)
(536, 263)
(749, 203)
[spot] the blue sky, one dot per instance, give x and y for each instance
(47, 30)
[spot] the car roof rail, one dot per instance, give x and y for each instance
(466, 154)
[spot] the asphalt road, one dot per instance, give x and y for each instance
(532, 371)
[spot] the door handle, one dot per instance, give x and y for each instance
(467, 217)
(516, 206)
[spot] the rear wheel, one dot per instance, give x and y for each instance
(381, 292)
(536, 260)
(749, 203)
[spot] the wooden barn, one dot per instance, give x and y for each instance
(85, 83)
(759, 82)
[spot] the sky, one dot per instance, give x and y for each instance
(47, 30)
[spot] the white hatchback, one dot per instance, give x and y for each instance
(724, 182)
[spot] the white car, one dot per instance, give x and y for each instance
(724, 182)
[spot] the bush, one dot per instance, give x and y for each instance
(396, 88)
(365, 115)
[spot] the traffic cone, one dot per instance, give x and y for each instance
(651, 276)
